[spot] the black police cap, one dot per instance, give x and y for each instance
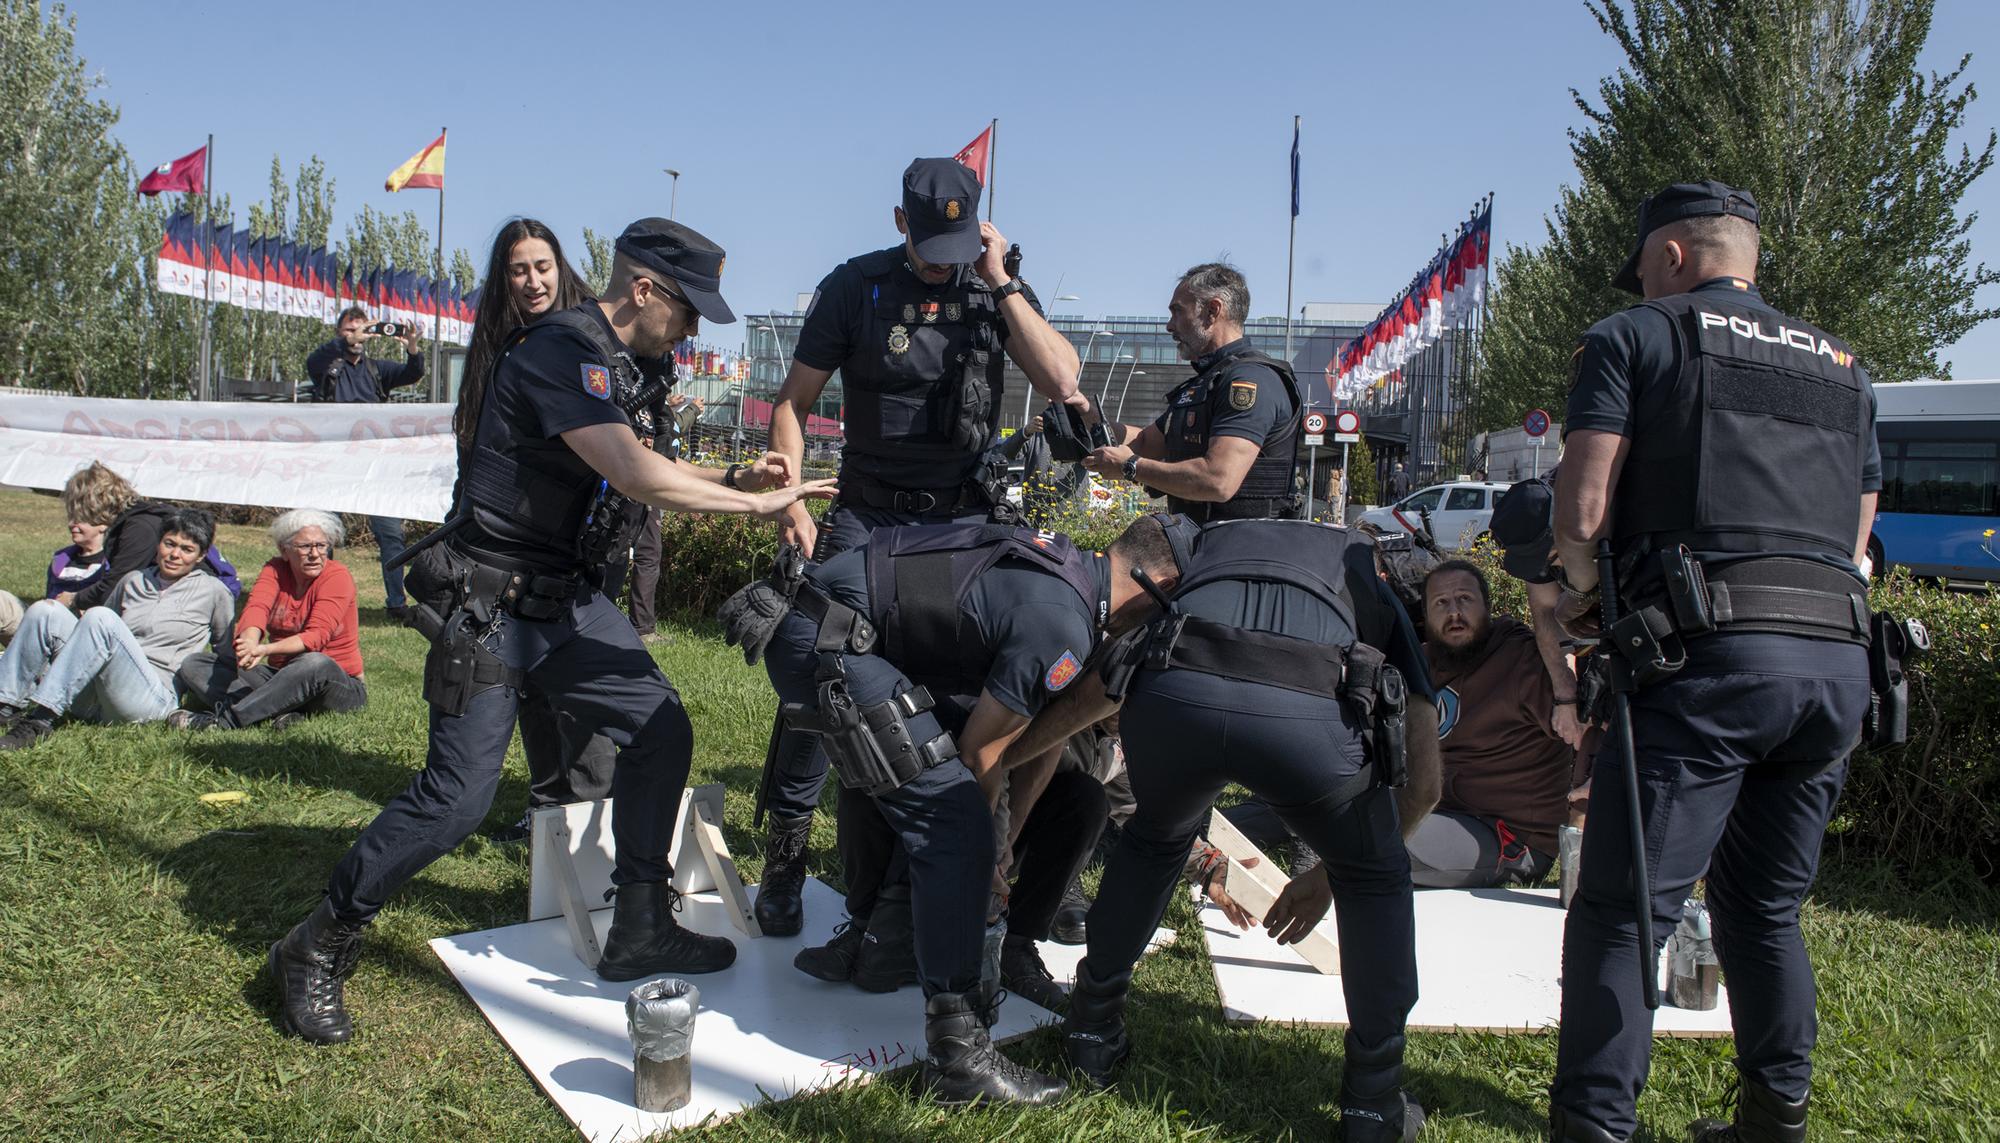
(684, 255)
(941, 205)
(1682, 200)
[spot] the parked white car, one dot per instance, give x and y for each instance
(1459, 512)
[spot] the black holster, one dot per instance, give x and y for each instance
(871, 745)
(1892, 644)
(1380, 699)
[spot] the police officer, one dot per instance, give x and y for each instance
(1228, 443)
(1710, 437)
(1004, 613)
(918, 332)
(1286, 665)
(507, 600)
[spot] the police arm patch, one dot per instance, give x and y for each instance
(1242, 395)
(597, 380)
(1063, 671)
(1576, 364)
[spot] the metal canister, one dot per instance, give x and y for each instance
(1569, 861)
(1694, 971)
(659, 1014)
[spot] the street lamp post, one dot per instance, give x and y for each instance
(1129, 374)
(1112, 369)
(673, 196)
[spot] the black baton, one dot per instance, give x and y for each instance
(1620, 671)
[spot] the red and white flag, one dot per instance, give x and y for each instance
(974, 154)
(183, 174)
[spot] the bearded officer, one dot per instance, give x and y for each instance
(919, 332)
(1727, 451)
(509, 598)
(1228, 443)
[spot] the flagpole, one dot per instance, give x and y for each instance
(437, 347)
(992, 165)
(1292, 243)
(207, 275)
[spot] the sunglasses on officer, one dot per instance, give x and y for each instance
(670, 292)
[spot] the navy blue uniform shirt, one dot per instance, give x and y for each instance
(1271, 407)
(345, 382)
(1036, 626)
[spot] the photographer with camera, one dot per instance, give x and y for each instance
(343, 374)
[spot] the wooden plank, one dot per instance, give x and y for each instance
(715, 853)
(1256, 888)
(557, 840)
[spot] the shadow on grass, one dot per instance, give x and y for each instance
(1943, 897)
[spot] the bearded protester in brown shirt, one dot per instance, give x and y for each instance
(1506, 773)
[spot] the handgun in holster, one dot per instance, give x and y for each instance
(1391, 728)
(1892, 645)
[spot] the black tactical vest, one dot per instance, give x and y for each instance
(1193, 407)
(924, 382)
(1761, 447)
(1315, 558)
(498, 484)
(918, 575)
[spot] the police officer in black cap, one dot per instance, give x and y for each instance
(1286, 664)
(557, 479)
(874, 642)
(1727, 452)
(1228, 443)
(918, 332)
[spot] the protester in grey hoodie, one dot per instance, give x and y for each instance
(116, 663)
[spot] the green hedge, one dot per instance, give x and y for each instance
(1935, 799)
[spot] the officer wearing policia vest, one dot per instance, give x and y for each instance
(1284, 663)
(1728, 453)
(1001, 612)
(1228, 443)
(509, 599)
(919, 332)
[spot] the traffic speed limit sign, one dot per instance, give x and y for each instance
(1315, 422)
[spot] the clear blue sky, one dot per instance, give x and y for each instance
(1135, 138)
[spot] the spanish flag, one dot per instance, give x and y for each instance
(425, 169)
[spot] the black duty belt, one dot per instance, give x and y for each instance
(1261, 508)
(876, 494)
(518, 589)
(1191, 643)
(1777, 595)
(841, 628)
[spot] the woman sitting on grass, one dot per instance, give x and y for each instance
(298, 646)
(116, 662)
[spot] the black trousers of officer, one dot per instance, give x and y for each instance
(801, 767)
(1187, 735)
(591, 663)
(940, 816)
(1741, 759)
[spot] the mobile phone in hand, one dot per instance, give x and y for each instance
(386, 329)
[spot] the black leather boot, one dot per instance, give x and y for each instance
(1567, 1128)
(888, 957)
(780, 909)
(1094, 1039)
(1762, 1116)
(834, 960)
(965, 1067)
(1024, 974)
(1374, 1108)
(645, 940)
(310, 966)
(1069, 927)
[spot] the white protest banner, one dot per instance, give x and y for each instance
(378, 460)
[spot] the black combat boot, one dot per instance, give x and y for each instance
(965, 1067)
(1024, 974)
(645, 940)
(1069, 927)
(780, 911)
(888, 957)
(1374, 1108)
(1567, 1128)
(1094, 1039)
(310, 966)
(834, 960)
(1762, 1116)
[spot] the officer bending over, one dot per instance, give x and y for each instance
(1727, 451)
(920, 333)
(1227, 445)
(1286, 665)
(1006, 613)
(509, 604)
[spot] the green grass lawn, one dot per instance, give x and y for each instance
(134, 920)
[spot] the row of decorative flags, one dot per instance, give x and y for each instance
(691, 360)
(1448, 293)
(234, 267)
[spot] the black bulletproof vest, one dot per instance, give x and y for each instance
(1315, 558)
(919, 575)
(498, 484)
(924, 382)
(1192, 408)
(1761, 445)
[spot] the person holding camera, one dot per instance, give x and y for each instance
(343, 374)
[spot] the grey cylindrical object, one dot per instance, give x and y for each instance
(659, 1014)
(1569, 861)
(1694, 971)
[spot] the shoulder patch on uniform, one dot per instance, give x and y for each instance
(1063, 671)
(1576, 364)
(1242, 395)
(597, 380)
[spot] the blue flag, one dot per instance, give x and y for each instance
(1295, 167)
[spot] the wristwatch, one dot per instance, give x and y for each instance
(1013, 286)
(1132, 468)
(729, 476)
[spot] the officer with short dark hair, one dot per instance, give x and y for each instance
(920, 333)
(1727, 451)
(556, 477)
(1228, 443)
(1004, 613)
(1285, 664)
